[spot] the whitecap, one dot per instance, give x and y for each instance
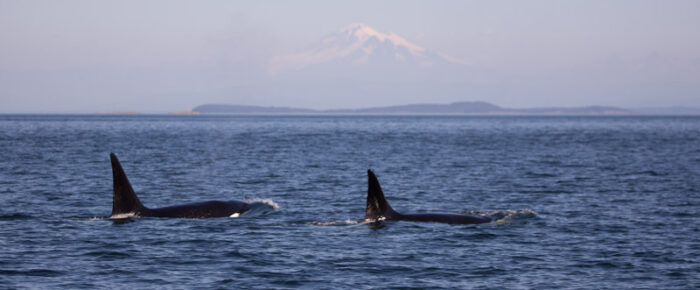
(266, 201)
(336, 223)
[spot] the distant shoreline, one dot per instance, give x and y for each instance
(452, 109)
(458, 108)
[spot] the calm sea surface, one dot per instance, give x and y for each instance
(579, 202)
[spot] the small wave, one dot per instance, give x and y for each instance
(650, 173)
(107, 254)
(266, 201)
(32, 272)
(504, 216)
(15, 216)
(336, 223)
(94, 218)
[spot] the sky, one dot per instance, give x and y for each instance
(164, 56)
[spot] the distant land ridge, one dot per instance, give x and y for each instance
(453, 108)
(476, 107)
(240, 109)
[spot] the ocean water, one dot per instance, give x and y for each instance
(578, 202)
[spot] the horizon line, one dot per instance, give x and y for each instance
(514, 110)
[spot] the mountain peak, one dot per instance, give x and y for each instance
(362, 32)
(359, 44)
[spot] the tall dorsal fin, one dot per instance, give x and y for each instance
(377, 206)
(125, 200)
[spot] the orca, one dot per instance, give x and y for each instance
(126, 203)
(378, 209)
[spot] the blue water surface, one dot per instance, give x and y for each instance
(578, 202)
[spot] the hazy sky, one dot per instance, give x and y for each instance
(161, 56)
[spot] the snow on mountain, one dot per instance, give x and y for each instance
(359, 45)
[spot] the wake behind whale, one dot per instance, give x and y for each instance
(378, 209)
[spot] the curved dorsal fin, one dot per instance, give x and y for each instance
(125, 200)
(377, 206)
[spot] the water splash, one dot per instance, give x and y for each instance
(266, 201)
(123, 216)
(336, 223)
(258, 207)
(95, 218)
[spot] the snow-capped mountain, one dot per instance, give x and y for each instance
(360, 46)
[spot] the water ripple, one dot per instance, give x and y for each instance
(578, 202)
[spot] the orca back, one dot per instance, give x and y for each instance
(379, 209)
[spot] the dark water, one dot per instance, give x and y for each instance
(580, 202)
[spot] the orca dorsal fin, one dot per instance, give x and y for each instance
(125, 200)
(377, 206)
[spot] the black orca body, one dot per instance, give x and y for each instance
(127, 204)
(378, 209)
